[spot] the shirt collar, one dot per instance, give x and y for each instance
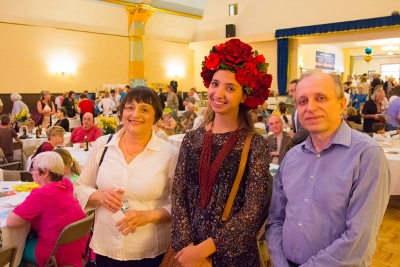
(153, 144)
(342, 136)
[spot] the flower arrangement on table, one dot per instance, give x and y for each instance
(249, 67)
(108, 124)
(22, 116)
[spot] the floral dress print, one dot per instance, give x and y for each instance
(235, 239)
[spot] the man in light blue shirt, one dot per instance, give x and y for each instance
(330, 193)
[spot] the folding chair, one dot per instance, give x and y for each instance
(11, 176)
(26, 176)
(13, 166)
(29, 150)
(71, 233)
(3, 157)
(7, 255)
(18, 146)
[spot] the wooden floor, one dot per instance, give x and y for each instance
(387, 252)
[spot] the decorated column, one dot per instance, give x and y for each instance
(138, 17)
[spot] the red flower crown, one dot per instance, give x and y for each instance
(249, 67)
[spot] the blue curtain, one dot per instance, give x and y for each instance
(283, 58)
(354, 25)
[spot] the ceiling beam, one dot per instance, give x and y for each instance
(129, 5)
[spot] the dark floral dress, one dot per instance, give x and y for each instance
(235, 239)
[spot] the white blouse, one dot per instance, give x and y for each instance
(146, 181)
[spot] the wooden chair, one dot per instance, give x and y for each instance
(71, 233)
(13, 166)
(11, 176)
(7, 255)
(3, 157)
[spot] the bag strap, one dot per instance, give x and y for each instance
(239, 176)
(105, 150)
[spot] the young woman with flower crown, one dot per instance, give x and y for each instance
(237, 80)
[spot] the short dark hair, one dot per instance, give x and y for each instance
(378, 126)
(112, 91)
(143, 94)
(260, 118)
(296, 81)
(83, 96)
(5, 119)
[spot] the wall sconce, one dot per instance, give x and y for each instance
(63, 73)
(175, 70)
(62, 65)
(301, 65)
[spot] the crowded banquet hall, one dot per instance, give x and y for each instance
(273, 91)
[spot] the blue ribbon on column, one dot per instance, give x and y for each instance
(283, 58)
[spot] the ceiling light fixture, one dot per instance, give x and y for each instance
(390, 49)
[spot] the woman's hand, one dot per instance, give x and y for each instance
(111, 199)
(191, 257)
(133, 219)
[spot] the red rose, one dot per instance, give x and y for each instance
(259, 59)
(206, 74)
(213, 61)
(235, 52)
(248, 75)
(253, 102)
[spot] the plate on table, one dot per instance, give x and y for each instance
(12, 202)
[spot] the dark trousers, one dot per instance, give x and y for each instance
(103, 261)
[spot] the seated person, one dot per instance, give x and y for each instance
(88, 129)
(169, 123)
(71, 166)
(380, 134)
(285, 115)
(351, 114)
(55, 137)
(49, 209)
(259, 124)
(188, 117)
(279, 142)
(7, 135)
(263, 109)
(62, 119)
(157, 127)
(30, 125)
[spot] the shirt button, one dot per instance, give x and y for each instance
(300, 224)
(318, 155)
(297, 248)
(312, 177)
(306, 200)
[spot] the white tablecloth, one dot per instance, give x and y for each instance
(394, 167)
(13, 236)
(176, 139)
(78, 154)
(33, 141)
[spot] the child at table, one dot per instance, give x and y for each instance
(7, 135)
(71, 166)
(380, 134)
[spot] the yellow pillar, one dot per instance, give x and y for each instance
(137, 19)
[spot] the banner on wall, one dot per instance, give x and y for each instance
(138, 82)
(325, 61)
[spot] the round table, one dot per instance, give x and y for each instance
(393, 157)
(176, 139)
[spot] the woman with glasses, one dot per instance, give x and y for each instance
(49, 209)
(129, 189)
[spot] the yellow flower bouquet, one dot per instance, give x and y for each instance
(108, 124)
(22, 116)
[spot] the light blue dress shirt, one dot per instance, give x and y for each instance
(327, 207)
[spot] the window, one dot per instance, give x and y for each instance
(390, 70)
(233, 9)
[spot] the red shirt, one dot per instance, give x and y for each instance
(78, 135)
(86, 106)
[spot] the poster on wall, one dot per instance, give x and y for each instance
(138, 82)
(325, 61)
